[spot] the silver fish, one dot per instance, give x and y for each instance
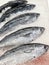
(21, 36)
(12, 4)
(18, 8)
(11, 26)
(23, 53)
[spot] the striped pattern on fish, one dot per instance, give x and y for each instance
(12, 4)
(18, 8)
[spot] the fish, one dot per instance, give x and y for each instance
(8, 6)
(23, 53)
(12, 4)
(19, 8)
(23, 19)
(21, 36)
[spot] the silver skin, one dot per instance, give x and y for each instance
(23, 53)
(9, 6)
(19, 8)
(11, 26)
(22, 36)
(12, 4)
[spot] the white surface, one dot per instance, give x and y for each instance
(48, 2)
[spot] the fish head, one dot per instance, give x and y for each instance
(39, 30)
(33, 33)
(36, 32)
(35, 50)
(35, 16)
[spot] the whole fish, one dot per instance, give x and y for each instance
(11, 26)
(12, 4)
(23, 53)
(18, 8)
(21, 36)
